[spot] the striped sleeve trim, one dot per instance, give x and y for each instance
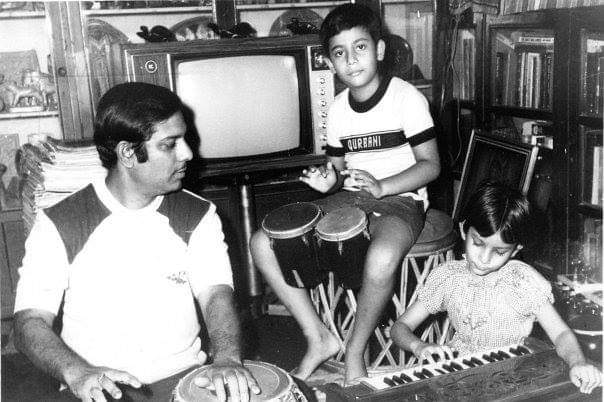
(334, 151)
(422, 137)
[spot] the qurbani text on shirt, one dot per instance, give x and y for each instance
(363, 143)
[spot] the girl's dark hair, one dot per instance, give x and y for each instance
(348, 16)
(129, 112)
(495, 207)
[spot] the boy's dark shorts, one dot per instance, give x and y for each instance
(349, 266)
(408, 209)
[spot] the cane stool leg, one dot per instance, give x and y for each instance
(340, 314)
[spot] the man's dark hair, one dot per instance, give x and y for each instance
(129, 112)
(495, 207)
(348, 16)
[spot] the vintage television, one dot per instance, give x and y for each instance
(256, 103)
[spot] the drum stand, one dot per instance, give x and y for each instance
(337, 306)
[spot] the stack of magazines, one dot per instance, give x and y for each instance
(53, 169)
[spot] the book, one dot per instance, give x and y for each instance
(501, 78)
(536, 40)
(596, 183)
(520, 78)
(528, 79)
(590, 84)
(547, 80)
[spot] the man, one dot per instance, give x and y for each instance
(125, 257)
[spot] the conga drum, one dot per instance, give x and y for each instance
(343, 238)
(291, 232)
(275, 385)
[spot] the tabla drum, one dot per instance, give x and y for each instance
(275, 385)
(291, 231)
(343, 238)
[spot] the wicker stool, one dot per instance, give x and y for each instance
(337, 306)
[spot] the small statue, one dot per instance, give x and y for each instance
(31, 95)
(44, 83)
(241, 30)
(158, 33)
(298, 27)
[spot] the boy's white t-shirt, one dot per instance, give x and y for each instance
(378, 140)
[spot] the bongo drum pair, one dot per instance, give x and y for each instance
(275, 385)
(309, 245)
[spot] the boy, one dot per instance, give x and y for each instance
(382, 152)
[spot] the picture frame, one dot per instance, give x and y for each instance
(491, 159)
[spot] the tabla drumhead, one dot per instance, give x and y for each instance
(275, 385)
(342, 224)
(291, 220)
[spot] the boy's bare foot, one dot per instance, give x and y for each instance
(355, 368)
(317, 352)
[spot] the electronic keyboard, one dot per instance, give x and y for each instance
(531, 371)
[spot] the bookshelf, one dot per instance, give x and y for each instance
(539, 77)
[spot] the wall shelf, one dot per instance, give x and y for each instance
(153, 10)
(21, 14)
(278, 6)
(28, 115)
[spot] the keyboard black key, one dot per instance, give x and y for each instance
(427, 373)
(389, 382)
(476, 361)
(455, 354)
(448, 368)
(468, 363)
(397, 379)
(495, 356)
(406, 377)
(515, 351)
(456, 366)
(488, 358)
(440, 371)
(419, 375)
(504, 355)
(524, 350)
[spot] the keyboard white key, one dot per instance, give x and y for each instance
(412, 374)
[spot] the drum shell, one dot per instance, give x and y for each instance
(291, 232)
(346, 258)
(343, 239)
(299, 254)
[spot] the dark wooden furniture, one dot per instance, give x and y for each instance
(568, 216)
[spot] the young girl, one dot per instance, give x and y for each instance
(491, 299)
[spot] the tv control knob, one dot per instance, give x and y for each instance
(323, 103)
(321, 80)
(323, 124)
(322, 114)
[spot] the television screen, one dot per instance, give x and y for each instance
(243, 105)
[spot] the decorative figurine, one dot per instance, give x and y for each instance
(44, 83)
(158, 33)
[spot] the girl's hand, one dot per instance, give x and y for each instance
(365, 181)
(585, 376)
(320, 178)
(425, 351)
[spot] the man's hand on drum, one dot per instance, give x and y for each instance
(320, 178)
(88, 383)
(427, 352)
(365, 181)
(229, 380)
